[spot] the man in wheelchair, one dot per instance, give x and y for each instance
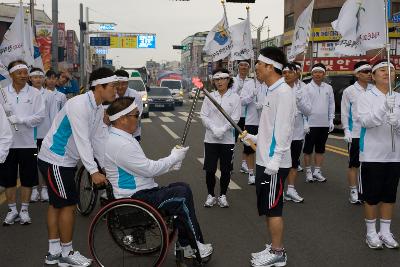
(131, 174)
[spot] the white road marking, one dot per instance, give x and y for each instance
(170, 132)
(145, 120)
(331, 136)
(184, 118)
(166, 119)
(232, 184)
(167, 114)
(152, 114)
(183, 113)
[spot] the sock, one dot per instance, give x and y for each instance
(308, 168)
(66, 248)
(353, 188)
(251, 171)
(290, 187)
(54, 246)
(278, 251)
(34, 188)
(244, 163)
(371, 226)
(13, 207)
(385, 226)
(317, 169)
(24, 206)
(44, 187)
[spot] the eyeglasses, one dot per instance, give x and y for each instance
(136, 115)
(365, 71)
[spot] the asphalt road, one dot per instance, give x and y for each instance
(325, 230)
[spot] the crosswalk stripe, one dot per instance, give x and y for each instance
(145, 120)
(166, 119)
(184, 118)
(232, 184)
(170, 132)
(183, 113)
(152, 114)
(167, 114)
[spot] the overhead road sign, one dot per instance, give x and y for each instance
(99, 41)
(146, 41)
(123, 42)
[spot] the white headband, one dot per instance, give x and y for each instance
(244, 62)
(381, 65)
(287, 69)
(36, 73)
(266, 60)
(122, 79)
(298, 66)
(220, 75)
(123, 112)
(318, 68)
(362, 67)
(105, 80)
(18, 67)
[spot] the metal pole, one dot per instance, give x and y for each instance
(54, 41)
(32, 11)
(81, 52)
(87, 42)
(259, 29)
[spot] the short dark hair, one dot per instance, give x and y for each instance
(51, 73)
(119, 104)
(276, 54)
(122, 73)
(223, 70)
(319, 65)
(16, 62)
(99, 73)
(35, 69)
(380, 61)
(290, 66)
(360, 63)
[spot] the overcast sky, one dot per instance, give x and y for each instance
(171, 21)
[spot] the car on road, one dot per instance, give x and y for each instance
(138, 84)
(176, 88)
(193, 92)
(160, 98)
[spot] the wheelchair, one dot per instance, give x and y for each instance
(130, 232)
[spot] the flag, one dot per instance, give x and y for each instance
(4, 75)
(14, 45)
(301, 32)
(242, 44)
(218, 42)
(362, 24)
(32, 46)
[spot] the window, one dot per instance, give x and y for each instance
(325, 15)
(289, 21)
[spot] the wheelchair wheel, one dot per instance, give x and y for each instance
(128, 232)
(87, 192)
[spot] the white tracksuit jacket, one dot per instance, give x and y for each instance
(127, 167)
(375, 136)
(57, 101)
(28, 105)
(139, 103)
(349, 116)
(237, 88)
(322, 102)
(44, 126)
(76, 133)
(303, 109)
(6, 136)
(249, 96)
(212, 117)
(276, 125)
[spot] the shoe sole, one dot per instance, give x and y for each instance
(376, 248)
(295, 201)
(391, 247)
(357, 202)
(15, 221)
(278, 264)
(62, 264)
(51, 262)
(25, 223)
(309, 181)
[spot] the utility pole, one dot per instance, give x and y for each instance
(258, 44)
(54, 41)
(87, 47)
(82, 27)
(32, 11)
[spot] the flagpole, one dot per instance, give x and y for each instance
(252, 60)
(307, 44)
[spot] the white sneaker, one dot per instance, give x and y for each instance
(270, 259)
(25, 218)
(244, 168)
(353, 199)
(388, 240)
(373, 241)
(74, 259)
(44, 195)
(292, 195)
(259, 254)
(309, 177)
(252, 179)
(205, 250)
(300, 169)
(318, 176)
(211, 201)
(222, 202)
(11, 218)
(35, 195)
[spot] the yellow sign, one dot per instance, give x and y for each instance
(123, 42)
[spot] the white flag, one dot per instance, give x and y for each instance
(32, 46)
(13, 45)
(218, 42)
(302, 32)
(362, 24)
(241, 40)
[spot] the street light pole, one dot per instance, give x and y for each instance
(81, 47)
(54, 44)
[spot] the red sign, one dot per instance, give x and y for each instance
(345, 63)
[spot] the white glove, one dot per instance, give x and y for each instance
(390, 102)
(15, 120)
(331, 126)
(306, 127)
(272, 167)
(179, 153)
(393, 119)
(8, 108)
(176, 166)
(347, 136)
(219, 132)
(259, 105)
(246, 136)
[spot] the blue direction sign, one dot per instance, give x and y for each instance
(99, 41)
(146, 41)
(107, 62)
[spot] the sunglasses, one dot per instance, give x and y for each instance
(365, 71)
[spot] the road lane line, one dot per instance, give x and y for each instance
(232, 184)
(168, 114)
(337, 148)
(185, 118)
(183, 113)
(337, 151)
(331, 136)
(145, 120)
(170, 132)
(166, 119)
(152, 114)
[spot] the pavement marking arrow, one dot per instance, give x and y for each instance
(232, 184)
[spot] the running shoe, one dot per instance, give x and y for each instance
(25, 219)
(292, 195)
(252, 179)
(11, 218)
(211, 201)
(52, 259)
(318, 177)
(353, 199)
(35, 195)
(270, 259)
(244, 168)
(388, 240)
(205, 250)
(44, 195)
(373, 241)
(300, 169)
(222, 202)
(309, 177)
(74, 259)
(259, 254)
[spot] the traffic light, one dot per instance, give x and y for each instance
(241, 1)
(180, 47)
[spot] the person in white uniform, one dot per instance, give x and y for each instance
(26, 106)
(76, 134)
(379, 115)
(5, 140)
(351, 124)
(132, 174)
(320, 122)
(303, 108)
(219, 140)
(57, 99)
(273, 152)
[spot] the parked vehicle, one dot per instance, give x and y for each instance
(160, 98)
(176, 89)
(138, 84)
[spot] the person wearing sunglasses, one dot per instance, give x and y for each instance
(351, 124)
